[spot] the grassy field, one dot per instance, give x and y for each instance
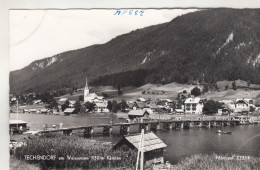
(219, 162)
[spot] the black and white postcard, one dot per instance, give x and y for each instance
(134, 88)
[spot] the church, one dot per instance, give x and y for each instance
(91, 97)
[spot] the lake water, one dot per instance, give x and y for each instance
(244, 140)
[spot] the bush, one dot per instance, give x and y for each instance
(64, 146)
(196, 91)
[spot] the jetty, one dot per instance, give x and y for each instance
(147, 125)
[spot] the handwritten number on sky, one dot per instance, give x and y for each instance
(129, 12)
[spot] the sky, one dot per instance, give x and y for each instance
(38, 34)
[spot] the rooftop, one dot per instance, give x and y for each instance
(136, 112)
(101, 104)
(151, 141)
(69, 110)
(17, 122)
(192, 100)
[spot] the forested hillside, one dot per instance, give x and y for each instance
(207, 45)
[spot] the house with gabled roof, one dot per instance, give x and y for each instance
(101, 107)
(242, 106)
(152, 146)
(132, 114)
(69, 111)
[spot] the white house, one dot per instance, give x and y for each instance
(101, 107)
(141, 99)
(242, 105)
(193, 106)
(250, 102)
(37, 101)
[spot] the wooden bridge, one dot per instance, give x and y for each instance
(151, 125)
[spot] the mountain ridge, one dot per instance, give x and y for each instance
(207, 45)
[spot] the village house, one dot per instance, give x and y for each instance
(101, 107)
(148, 109)
(242, 106)
(136, 105)
(250, 102)
(69, 111)
(179, 111)
(72, 103)
(13, 99)
(37, 102)
(32, 111)
(193, 106)
(132, 114)
(61, 101)
(152, 146)
(140, 100)
(44, 111)
(15, 125)
(25, 110)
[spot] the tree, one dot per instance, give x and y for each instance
(251, 109)
(109, 105)
(65, 105)
(69, 91)
(119, 90)
(123, 105)
(105, 95)
(90, 106)
(83, 109)
(115, 106)
(211, 107)
(77, 106)
(196, 91)
(81, 98)
(248, 83)
(234, 86)
(179, 103)
(53, 104)
(226, 87)
(205, 88)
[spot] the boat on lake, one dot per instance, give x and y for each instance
(224, 132)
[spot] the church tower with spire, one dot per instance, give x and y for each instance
(86, 90)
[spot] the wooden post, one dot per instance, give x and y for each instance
(153, 127)
(67, 132)
(158, 126)
(170, 126)
(107, 130)
(110, 129)
(124, 129)
(147, 127)
(88, 131)
(182, 125)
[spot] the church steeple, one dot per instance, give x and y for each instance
(86, 90)
(86, 87)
